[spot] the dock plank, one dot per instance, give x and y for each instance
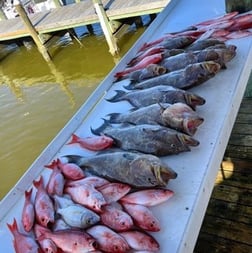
(77, 14)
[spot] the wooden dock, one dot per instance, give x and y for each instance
(79, 14)
(227, 226)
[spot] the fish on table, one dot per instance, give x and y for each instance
(136, 169)
(178, 116)
(158, 94)
(190, 76)
(149, 139)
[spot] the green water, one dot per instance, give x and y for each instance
(37, 99)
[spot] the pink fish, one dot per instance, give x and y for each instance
(23, 243)
(28, 213)
(142, 217)
(108, 240)
(112, 192)
(140, 241)
(116, 219)
(74, 241)
(93, 143)
(155, 58)
(140, 56)
(148, 197)
(242, 21)
(70, 170)
(87, 195)
(47, 245)
(56, 182)
(239, 34)
(93, 180)
(44, 209)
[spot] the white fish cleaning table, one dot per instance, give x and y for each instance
(182, 215)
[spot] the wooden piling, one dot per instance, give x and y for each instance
(32, 31)
(104, 21)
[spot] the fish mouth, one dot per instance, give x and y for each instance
(191, 125)
(211, 67)
(163, 174)
(188, 140)
(194, 100)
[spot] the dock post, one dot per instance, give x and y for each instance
(32, 31)
(113, 48)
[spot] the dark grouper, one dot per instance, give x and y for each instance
(137, 170)
(148, 139)
(178, 116)
(158, 94)
(192, 75)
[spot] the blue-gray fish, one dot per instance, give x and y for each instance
(135, 169)
(78, 216)
(178, 116)
(158, 94)
(192, 75)
(149, 139)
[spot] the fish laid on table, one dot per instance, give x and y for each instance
(149, 139)
(192, 75)
(203, 44)
(151, 70)
(28, 212)
(43, 205)
(158, 94)
(23, 242)
(69, 240)
(108, 240)
(137, 170)
(180, 61)
(92, 143)
(178, 116)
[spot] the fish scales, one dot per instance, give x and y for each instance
(137, 170)
(203, 44)
(158, 94)
(148, 139)
(192, 75)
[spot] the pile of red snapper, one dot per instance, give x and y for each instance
(101, 211)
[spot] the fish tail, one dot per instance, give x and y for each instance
(13, 227)
(28, 194)
(130, 86)
(38, 183)
(75, 139)
(100, 130)
(113, 117)
(118, 97)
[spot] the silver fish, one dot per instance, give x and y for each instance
(135, 169)
(78, 216)
(158, 94)
(178, 116)
(148, 139)
(192, 75)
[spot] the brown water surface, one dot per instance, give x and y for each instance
(37, 99)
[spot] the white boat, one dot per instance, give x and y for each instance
(182, 215)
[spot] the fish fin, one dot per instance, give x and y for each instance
(73, 159)
(52, 165)
(13, 227)
(113, 117)
(130, 86)
(74, 139)
(99, 130)
(118, 96)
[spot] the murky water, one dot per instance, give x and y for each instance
(37, 99)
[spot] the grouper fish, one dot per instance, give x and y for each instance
(148, 139)
(158, 94)
(135, 169)
(192, 75)
(178, 116)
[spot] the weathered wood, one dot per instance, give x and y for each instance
(238, 5)
(33, 33)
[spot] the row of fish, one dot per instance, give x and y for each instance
(102, 203)
(75, 213)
